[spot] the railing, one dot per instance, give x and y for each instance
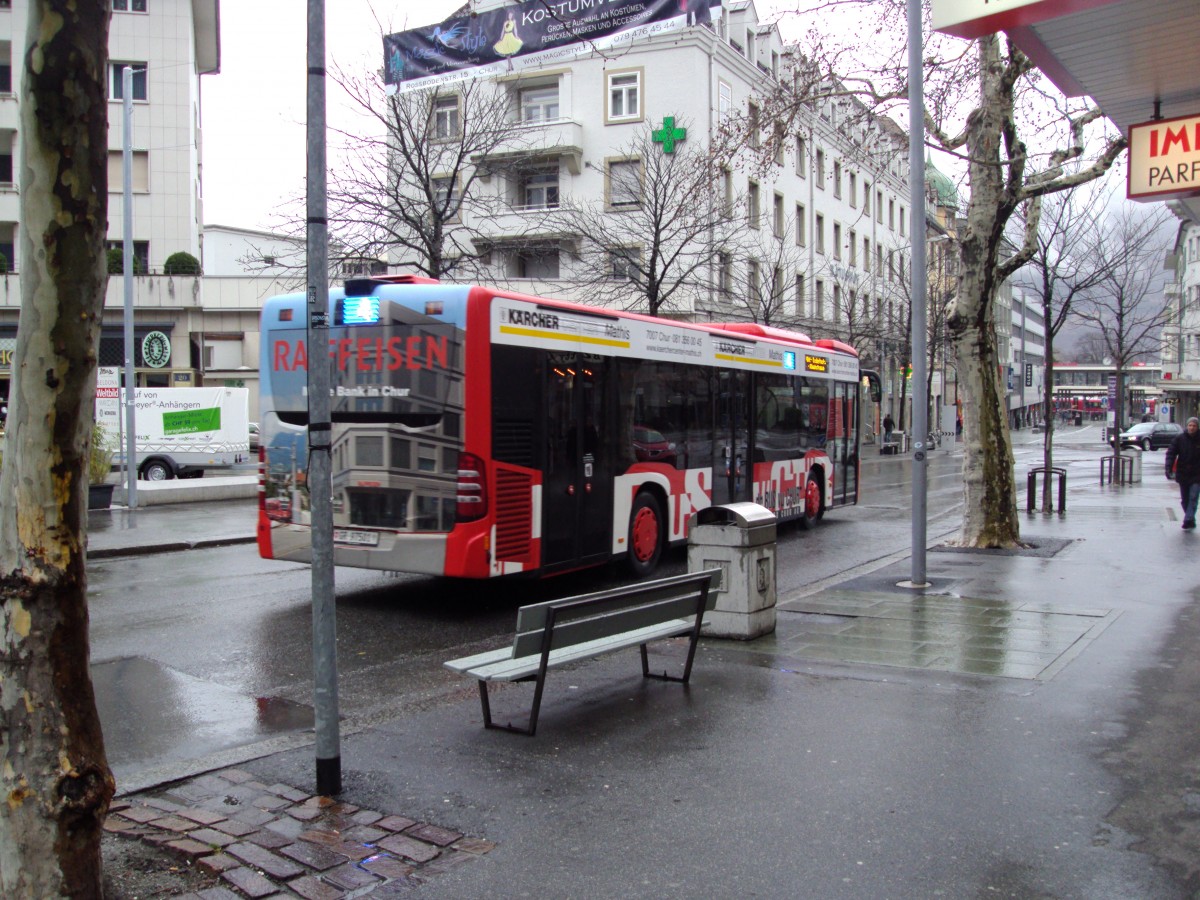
(1061, 474)
(1124, 470)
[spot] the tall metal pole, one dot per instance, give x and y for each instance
(320, 485)
(916, 181)
(131, 467)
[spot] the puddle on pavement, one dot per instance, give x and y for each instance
(976, 636)
(153, 714)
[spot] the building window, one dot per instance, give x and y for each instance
(866, 198)
(853, 190)
(445, 192)
(837, 179)
(445, 117)
(724, 272)
(624, 96)
(866, 257)
(727, 190)
(901, 221)
(537, 262)
(539, 189)
(801, 158)
(852, 246)
(141, 254)
(623, 263)
(777, 287)
(624, 183)
(879, 207)
(753, 208)
(819, 226)
(125, 5)
(891, 215)
(780, 137)
(837, 303)
(115, 83)
(724, 99)
(5, 79)
(140, 172)
(539, 104)
(879, 260)
(820, 299)
(799, 294)
(800, 236)
(752, 279)
(837, 241)
(754, 127)
(821, 169)
(777, 219)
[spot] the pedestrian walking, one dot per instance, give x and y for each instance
(888, 427)
(1183, 462)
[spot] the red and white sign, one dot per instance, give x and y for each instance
(1164, 159)
(975, 18)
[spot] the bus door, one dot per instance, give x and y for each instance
(842, 440)
(577, 491)
(732, 472)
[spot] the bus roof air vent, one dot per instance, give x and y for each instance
(836, 345)
(753, 329)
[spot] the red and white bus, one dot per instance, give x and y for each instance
(479, 432)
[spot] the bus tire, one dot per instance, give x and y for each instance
(813, 508)
(645, 535)
(156, 470)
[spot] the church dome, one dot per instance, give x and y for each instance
(940, 185)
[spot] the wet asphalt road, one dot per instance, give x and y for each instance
(204, 650)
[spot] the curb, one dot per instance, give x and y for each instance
(172, 547)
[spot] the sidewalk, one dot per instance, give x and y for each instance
(1017, 729)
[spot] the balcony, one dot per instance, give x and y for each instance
(528, 142)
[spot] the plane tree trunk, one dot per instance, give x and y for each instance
(53, 770)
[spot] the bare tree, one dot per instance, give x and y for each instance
(1128, 309)
(1066, 266)
(653, 239)
(53, 769)
(980, 96)
(765, 257)
(409, 187)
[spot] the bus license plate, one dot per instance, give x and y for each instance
(350, 536)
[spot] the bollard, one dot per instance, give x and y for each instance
(1062, 487)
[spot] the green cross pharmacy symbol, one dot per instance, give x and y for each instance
(668, 134)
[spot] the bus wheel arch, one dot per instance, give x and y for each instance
(647, 531)
(812, 504)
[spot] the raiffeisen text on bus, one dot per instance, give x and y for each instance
(367, 354)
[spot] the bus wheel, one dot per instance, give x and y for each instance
(811, 514)
(645, 535)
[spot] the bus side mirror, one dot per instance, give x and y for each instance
(870, 380)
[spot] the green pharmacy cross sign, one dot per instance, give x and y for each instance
(668, 134)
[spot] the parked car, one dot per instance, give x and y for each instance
(254, 436)
(1150, 435)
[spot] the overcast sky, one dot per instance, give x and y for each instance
(253, 111)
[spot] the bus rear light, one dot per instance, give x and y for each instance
(472, 489)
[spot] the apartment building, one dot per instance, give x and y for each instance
(1181, 335)
(822, 203)
(169, 45)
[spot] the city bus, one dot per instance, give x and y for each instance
(479, 432)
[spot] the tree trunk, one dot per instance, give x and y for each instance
(54, 773)
(1049, 414)
(990, 511)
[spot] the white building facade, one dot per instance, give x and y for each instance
(1181, 335)
(822, 215)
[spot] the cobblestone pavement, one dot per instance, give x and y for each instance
(275, 841)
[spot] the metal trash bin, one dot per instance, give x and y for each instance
(739, 540)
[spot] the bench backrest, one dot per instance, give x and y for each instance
(588, 617)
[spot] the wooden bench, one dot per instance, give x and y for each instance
(558, 632)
